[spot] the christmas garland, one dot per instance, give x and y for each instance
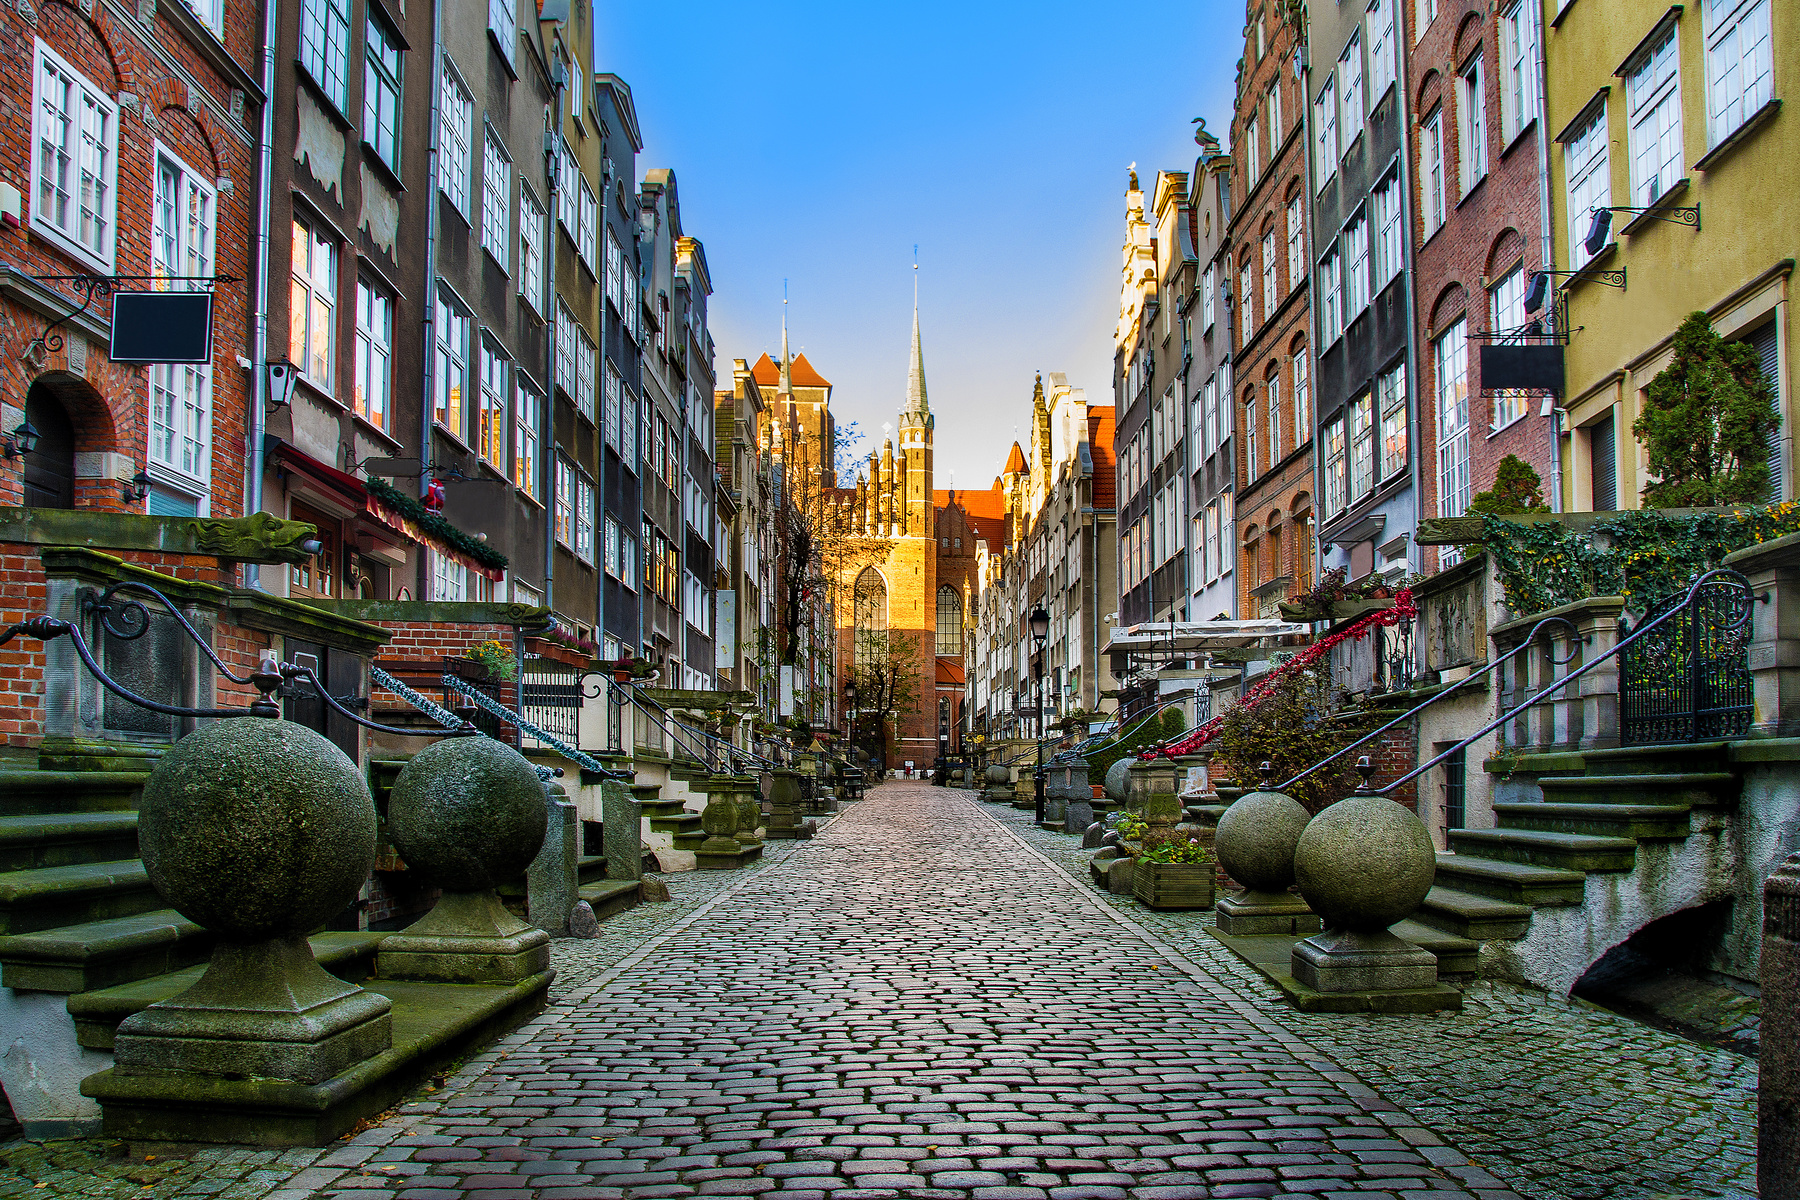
(1403, 610)
(435, 525)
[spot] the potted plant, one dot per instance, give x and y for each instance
(486, 661)
(1177, 874)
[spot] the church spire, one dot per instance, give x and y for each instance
(787, 375)
(915, 374)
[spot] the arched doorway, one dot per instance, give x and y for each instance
(50, 468)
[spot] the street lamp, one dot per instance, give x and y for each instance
(1039, 622)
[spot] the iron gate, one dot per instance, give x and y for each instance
(550, 695)
(1689, 679)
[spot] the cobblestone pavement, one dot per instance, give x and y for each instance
(918, 1005)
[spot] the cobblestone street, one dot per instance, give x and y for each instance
(920, 1003)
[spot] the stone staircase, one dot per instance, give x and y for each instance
(1596, 824)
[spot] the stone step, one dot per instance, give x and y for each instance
(37, 840)
(689, 841)
(1467, 915)
(1519, 883)
(1455, 955)
(609, 896)
(349, 955)
(30, 791)
(49, 897)
(684, 822)
(1698, 789)
(590, 868)
(1567, 851)
(663, 808)
(1638, 821)
(102, 954)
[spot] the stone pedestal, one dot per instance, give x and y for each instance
(1773, 569)
(468, 937)
(784, 808)
(1778, 1067)
(1255, 842)
(622, 827)
(1346, 960)
(1078, 816)
(728, 845)
(1248, 912)
(552, 881)
(999, 783)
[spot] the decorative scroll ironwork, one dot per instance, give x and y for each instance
(1689, 680)
(100, 285)
(550, 697)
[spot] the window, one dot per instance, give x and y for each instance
(531, 249)
(610, 551)
(1210, 564)
(527, 412)
(496, 198)
(589, 221)
(1589, 180)
(1247, 296)
(452, 376)
(1252, 139)
(381, 94)
(586, 369)
(1350, 90)
(1331, 300)
(1296, 243)
(1508, 300)
(1356, 254)
(325, 47)
(1362, 447)
(318, 574)
(1382, 68)
(1653, 96)
(628, 560)
(615, 272)
(568, 178)
(1210, 398)
(1394, 434)
(1274, 107)
(1471, 127)
(490, 436)
(1451, 356)
(1273, 390)
(371, 387)
(949, 621)
(1251, 462)
(1208, 285)
(449, 579)
(564, 517)
(1302, 398)
(181, 238)
(613, 396)
(456, 139)
(1336, 484)
(1325, 121)
(503, 23)
(1518, 69)
(312, 306)
(1431, 169)
(1268, 280)
(1740, 70)
(180, 435)
(210, 12)
(1390, 249)
(77, 160)
(584, 518)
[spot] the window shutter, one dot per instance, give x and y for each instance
(1764, 342)
(1605, 464)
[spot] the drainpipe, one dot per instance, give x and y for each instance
(259, 324)
(429, 382)
(547, 418)
(1414, 401)
(1544, 244)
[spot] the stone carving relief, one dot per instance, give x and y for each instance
(320, 144)
(381, 210)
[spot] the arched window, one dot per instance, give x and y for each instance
(949, 621)
(871, 604)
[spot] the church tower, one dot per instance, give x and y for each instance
(916, 433)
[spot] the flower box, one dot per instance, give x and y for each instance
(556, 652)
(470, 669)
(1173, 885)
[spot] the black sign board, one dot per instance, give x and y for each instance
(1531, 368)
(162, 327)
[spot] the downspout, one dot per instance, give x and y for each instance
(1413, 400)
(259, 324)
(1544, 243)
(429, 381)
(547, 419)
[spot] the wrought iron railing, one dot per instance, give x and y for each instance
(1689, 680)
(550, 698)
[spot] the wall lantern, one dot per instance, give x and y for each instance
(135, 490)
(283, 376)
(22, 441)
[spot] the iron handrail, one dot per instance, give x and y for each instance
(495, 709)
(1529, 640)
(1558, 685)
(730, 752)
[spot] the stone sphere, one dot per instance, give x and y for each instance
(256, 828)
(1364, 863)
(468, 813)
(998, 775)
(1256, 838)
(1118, 778)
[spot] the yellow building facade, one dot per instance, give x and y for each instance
(1680, 111)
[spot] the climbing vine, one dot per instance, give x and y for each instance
(1642, 555)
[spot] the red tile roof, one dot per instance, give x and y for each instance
(1015, 462)
(1106, 463)
(986, 511)
(949, 670)
(767, 373)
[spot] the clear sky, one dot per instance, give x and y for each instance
(819, 142)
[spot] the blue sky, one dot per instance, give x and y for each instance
(819, 142)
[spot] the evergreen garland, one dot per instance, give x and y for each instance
(410, 508)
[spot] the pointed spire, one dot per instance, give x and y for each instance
(915, 374)
(787, 375)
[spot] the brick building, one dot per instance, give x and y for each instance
(1478, 219)
(1271, 359)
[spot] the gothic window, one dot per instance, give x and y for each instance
(949, 621)
(871, 616)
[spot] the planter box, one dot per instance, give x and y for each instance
(1099, 791)
(556, 652)
(1174, 885)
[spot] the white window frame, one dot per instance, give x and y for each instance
(382, 90)
(1337, 480)
(491, 417)
(503, 24)
(1740, 68)
(1450, 356)
(1252, 463)
(1350, 93)
(1395, 430)
(1360, 416)
(1518, 69)
(1253, 156)
(1302, 398)
(454, 333)
(1471, 127)
(372, 375)
(314, 286)
(584, 518)
(1325, 146)
(1269, 283)
(1431, 169)
(1383, 69)
(1274, 110)
(325, 48)
(1247, 296)
(67, 131)
(563, 503)
(1331, 298)
(527, 410)
(456, 139)
(1208, 288)
(1588, 177)
(588, 220)
(566, 326)
(1296, 243)
(1357, 292)
(1506, 309)
(496, 198)
(1272, 403)
(1653, 108)
(1389, 234)
(532, 219)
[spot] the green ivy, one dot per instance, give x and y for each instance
(435, 525)
(1170, 724)
(1643, 555)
